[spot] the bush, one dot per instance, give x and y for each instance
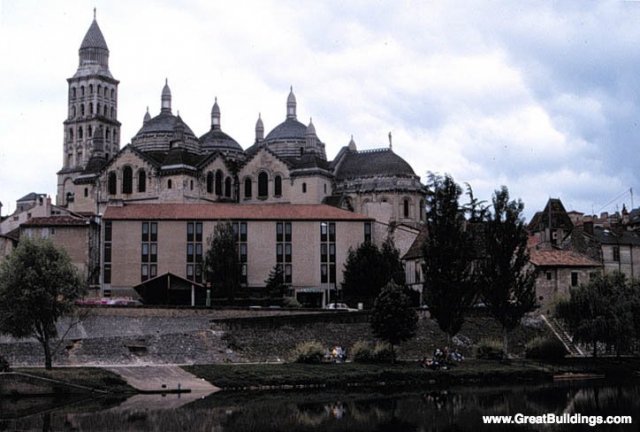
(4, 365)
(489, 349)
(291, 302)
(382, 353)
(308, 352)
(362, 352)
(545, 348)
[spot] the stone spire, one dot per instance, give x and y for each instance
(259, 129)
(291, 105)
(310, 135)
(94, 50)
(166, 98)
(215, 115)
(147, 116)
(352, 145)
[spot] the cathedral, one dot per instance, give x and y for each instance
(159, 197)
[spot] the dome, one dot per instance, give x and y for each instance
(290, 129)
(216, 140)
(373, 163)
(157, 133)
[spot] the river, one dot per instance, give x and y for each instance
(380, 409)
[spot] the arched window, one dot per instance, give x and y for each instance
(209, 182)
(112, 183)
(127, 180)
(277, 186)
(108, 134)
(142, 181)
(82, 110)
(90, 108)
(247, 187)
(112, 93)
(70, 134)
(73, 92)
(405, 209)
(169, 184)
(113, 112)
(73, 111)
(105, 91)
(81, 90)
(104, 110)
(227, 187)
(91, 88)
(263, 184)
(304, 188)
(99, 88)
(80, 135)
(89, 131)
(218, 182)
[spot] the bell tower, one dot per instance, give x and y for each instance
(92, 110)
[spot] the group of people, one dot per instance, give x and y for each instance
(337, 354)
(442, 359)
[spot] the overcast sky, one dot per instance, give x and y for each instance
(540, 96)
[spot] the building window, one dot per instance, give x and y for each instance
(194, 251)
(209, 182)
(219, 183)
(247, 188)
(82, 110)
(328, 253)
(80, 134)
(422, 210)
(113, 93)
(405, 210)
(616, 253)
(73, 92)
(240, 233)
(149, 251)
(304, 188)
(112, 183)
(277, 186)
(81, 90)
(86, 192)
(104, 112)
(106, 273)
(142, 181)
(227, 187)
(284, 249)
(574, 279)
(367, 232)
(169, 184)
(127, 180)
(263, 185)
(549, 276)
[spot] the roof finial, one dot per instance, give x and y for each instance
(94, 13)
(390, 141)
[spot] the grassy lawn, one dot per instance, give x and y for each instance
(239, 376)
(84, 376)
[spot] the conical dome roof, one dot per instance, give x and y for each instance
(94, 38)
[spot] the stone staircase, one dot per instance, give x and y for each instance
(558, 330)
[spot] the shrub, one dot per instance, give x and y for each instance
(4, 365)
(291, 302)
(308, 352)
(545, 348)
(382, 353)
(362, 352)
(489, 349)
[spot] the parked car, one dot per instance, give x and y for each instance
(339, 306)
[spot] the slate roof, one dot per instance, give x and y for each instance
(373, 163)
(180, 156)
(31, 197)
(559, 217)
(290, 129)
(229, 211)
(94, 165)
(94, 38)
(616, 237)
(560, 258)
(306, 161)
(415, 251)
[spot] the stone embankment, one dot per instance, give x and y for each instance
(142, 336)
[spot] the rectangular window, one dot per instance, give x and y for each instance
(328, 254)
(190, 254)
(107, 273)
(198, 231)
(107, 231)
(574, 279)
(107, 252)
(153, 270)
(240, 233)
(616, 253)
(284, 249)
(549, 275)
(324, 273)
(149, 251)
(194, 251)
(154, 231)
(287, 231)
(144, 272)
(367, 232)
(190, 230)
(145, 252)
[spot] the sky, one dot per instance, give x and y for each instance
(542, 97)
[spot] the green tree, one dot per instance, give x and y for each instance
(448, 252)
(602, 311)
(38, 286)
(368, 269)
(275, 285)
(507, 279)
(393, 319)
(222, 263)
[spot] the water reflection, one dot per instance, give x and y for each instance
(455, 409)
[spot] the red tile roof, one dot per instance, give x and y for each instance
(224, 211)
(560, 258)
(55, 221)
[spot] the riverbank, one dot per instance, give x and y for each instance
(58, 381)
(343, 375)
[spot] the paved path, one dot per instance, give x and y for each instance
(159, 378)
